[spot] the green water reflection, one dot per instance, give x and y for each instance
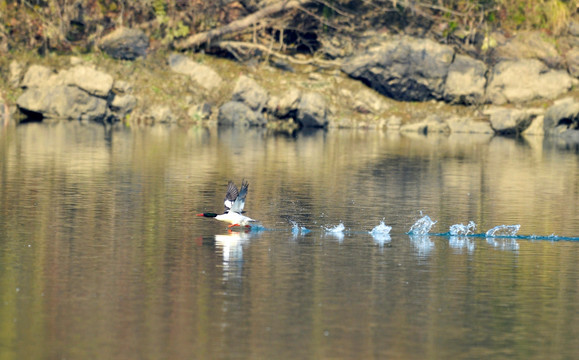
(100, 256)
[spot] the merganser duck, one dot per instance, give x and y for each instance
(234, 203)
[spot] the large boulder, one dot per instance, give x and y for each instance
(249, 92)
(561, 117)
(203, 75)
(39, 75)
(122, 105)
(312, 110)
(528, 45)
(235, 113)
(466, 81)
(506, 121)
(62, 101)
(80, 92)
(525, 80)
(286, 105)
(404, 69)
(125, 44)
(93, 81)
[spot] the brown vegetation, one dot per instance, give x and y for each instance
(297, 25)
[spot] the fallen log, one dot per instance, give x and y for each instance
(238, 25)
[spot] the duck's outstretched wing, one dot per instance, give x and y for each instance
(230, 196)
(239, 202)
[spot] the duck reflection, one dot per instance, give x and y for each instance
(231, 247)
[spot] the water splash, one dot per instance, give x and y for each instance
(422, 226)
(503, 230)
(297, 229)
(257, 227)
(463, 230)
(381, 229)
(381, 233)
(336, 229)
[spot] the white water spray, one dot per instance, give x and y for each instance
(422, 226)
(503, 230)
(463, 230)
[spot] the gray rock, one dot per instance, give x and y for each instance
(528, 45)
(93, 81)
(571, 136)
(469, 126)
(312, 110)
(123, 105)
(86, 78)
(405, 69)
(561, 116)
(525, 80)
(161, 114)
(200, 112)
(249, 92)
(38, 75)
(122, 87)
(16, 71)
(203, 75)
(287, 104)
(505, 121)
(235, 113)
(62, 101)
(432, 125)
(572, 58)
(125, 44)
(536, 127)
(367, 101)
(465, 83)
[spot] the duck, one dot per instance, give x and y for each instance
(234, 203)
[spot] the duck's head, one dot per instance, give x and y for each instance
(208, 214)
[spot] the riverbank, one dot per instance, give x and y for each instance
(525, 85)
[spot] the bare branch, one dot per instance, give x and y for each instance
(240, 24)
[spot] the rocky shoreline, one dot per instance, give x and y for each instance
(523, 85)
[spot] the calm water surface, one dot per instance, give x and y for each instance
(101, 256)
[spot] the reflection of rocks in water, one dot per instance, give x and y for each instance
(461, 242)
(423, 244)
